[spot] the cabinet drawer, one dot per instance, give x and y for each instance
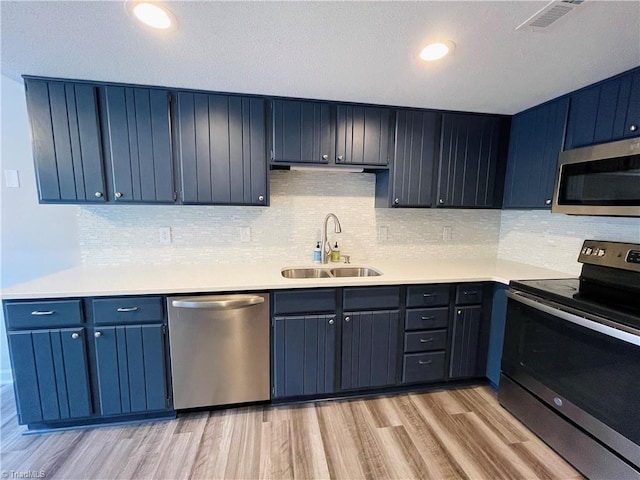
(469, 294)
(371, 298)
(304, 301)
(423, 367)
(426, 318)
(425, 341)
(127, 310)
(428, 296)
(54, 313)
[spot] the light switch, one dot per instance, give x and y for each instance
(11, 179)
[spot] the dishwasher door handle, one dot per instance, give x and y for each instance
(219, 303)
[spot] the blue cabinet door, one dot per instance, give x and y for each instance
(369, 349)
(65, 135)
(304, 349)
(414, 158)
(138, 142)
(303, 132)
(131, 372)
(50, 374)
(536, 140)
(222, 149)
(362, 135)
(470, 173)
(604, 112)
(465, 342)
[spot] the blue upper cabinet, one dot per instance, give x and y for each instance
(536, 140)
(138, 144)
(472, 151)
(221, 149)
(607, 111)
(65, 134)
(303, 132)
(414, 159)
(363, 135)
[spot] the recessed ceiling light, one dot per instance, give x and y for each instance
(153, 14)
(437, 50)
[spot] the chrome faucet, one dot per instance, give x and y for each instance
(326, 246)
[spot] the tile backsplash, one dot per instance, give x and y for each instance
(286, 231)
(553, 240)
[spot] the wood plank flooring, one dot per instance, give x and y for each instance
(448, 434)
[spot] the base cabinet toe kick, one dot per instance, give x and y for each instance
(84, 361)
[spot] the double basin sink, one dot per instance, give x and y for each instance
(330, 272)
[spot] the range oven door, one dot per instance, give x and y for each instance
(584, 369)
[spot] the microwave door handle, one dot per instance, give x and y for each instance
(578, 320)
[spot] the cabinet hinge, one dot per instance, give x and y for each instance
(164, 329)
(271, 154)
(168, 401)
(175, 196)
(273, 390)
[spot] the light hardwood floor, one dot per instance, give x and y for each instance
(461, 433)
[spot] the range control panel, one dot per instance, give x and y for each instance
(625, 256)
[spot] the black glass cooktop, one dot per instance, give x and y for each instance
(565, 291)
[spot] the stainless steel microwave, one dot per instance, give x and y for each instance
(599, 180)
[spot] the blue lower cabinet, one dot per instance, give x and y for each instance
(131, 371)
(304, 349)
(369, 349)
(50, 374)
(465, 343)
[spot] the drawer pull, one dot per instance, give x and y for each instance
(43, 312)
(428, 318)
(127, 309)
(470, 293)
(424, 362)
(426, 295)
(426, 340)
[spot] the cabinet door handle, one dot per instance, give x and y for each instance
(261, 198)
(331, 322)
(118, 195)
(74, 336)
(97, 334)
(547, 201)
(340, 157)
(428, 318)
(127, 309)
(633, 128)
(98, 194)
(459, 312)
(43, 312)
(396, 201)
(325, 157)
(424, 362)
(426, 340)
(347, 319)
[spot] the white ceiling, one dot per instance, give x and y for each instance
(348, 51)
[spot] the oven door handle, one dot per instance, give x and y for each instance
(576, 319)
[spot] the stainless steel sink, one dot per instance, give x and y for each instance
(305, 273)
(335, 272)
(355, 272)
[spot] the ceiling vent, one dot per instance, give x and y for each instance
(549, 14)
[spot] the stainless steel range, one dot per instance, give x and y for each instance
(571, 360)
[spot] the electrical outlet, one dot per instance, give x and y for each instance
(447, 233)
(245, 234)
(383, 233)
(164, 235)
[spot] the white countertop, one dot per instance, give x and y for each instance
(142, 280)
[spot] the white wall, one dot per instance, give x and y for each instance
(34, 239)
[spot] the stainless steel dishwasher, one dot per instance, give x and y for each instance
(219, 349)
